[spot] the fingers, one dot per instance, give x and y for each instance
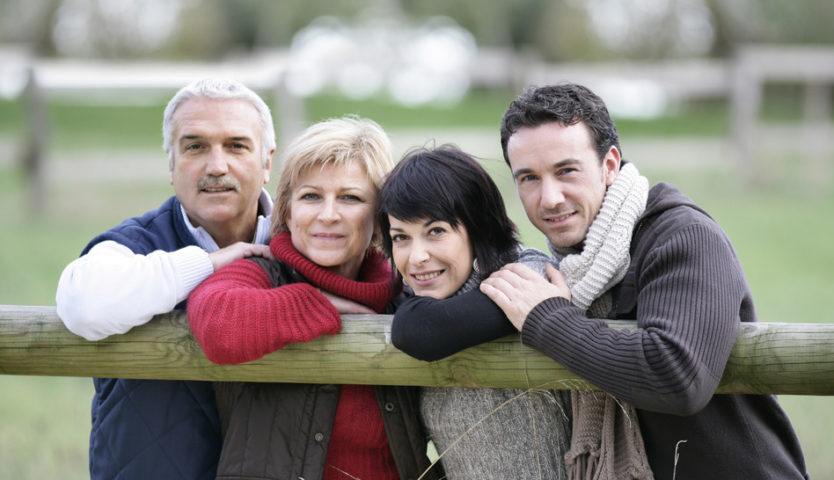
(520, 270)
(236, 251)
(497, 295)
(262, 251)
(517, 276)
(345, 306)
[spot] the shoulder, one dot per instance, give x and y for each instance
(674, 228)
(668, 211)
(535, 259)
(279, 273)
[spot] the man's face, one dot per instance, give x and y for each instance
(560, 179)
(218, 169)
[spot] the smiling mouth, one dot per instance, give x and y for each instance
(560, 218)
(427, 276)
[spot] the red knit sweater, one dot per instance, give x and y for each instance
(237, 315)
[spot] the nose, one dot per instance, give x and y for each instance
(419, 253)
(551, 194)
(329, 210)
(217, 164)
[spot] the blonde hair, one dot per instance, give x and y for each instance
(337, 141)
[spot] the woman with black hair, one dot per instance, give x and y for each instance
(445, 226)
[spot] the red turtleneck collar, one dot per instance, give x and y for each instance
(375, 287)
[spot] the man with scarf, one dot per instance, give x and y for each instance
(625, 251)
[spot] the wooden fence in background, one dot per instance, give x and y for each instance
(780, 358)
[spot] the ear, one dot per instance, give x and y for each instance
(376, 236)
(268, 166)
(171, 176)
(611, 165)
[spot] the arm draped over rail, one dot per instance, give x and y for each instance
(780, 358)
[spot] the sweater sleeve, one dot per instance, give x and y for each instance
(690, 291)
(238, 316)
(430, 329)
(110, 289)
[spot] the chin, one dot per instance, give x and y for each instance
(327, 262)
(563, 242)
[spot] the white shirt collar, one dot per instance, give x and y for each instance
(208, 244)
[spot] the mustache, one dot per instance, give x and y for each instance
(215, 182)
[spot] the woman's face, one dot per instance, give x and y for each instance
(331, 216)
(433, 258)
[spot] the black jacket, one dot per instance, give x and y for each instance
(281, 431)
(687, 291)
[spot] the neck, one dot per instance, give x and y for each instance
(225, 234)
(349, 269)
(238, 229)
(232, 235)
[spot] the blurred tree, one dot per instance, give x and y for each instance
(23, 21)
(273, 24)
(564, 34)
(558, 30)
(509, 23)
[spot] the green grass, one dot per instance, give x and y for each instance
(782, 234)
(46, 427)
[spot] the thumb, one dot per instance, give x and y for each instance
(554, 275)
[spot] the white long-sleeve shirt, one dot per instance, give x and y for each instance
(110, 289)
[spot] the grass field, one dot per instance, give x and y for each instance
(782, 233)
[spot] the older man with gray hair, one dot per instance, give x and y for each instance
(219, 137)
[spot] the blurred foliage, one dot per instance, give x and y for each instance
(555, 30)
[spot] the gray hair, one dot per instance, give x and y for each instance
(219, 89)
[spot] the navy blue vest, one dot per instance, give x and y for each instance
(153, 429)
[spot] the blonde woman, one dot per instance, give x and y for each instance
(324, 241)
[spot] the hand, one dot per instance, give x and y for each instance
(516, 289)
(236, 251)
(345, 306)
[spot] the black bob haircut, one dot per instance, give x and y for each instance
(447, 184)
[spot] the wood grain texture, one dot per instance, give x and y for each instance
(781, 358)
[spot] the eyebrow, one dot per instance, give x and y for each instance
(561, 163)
(347, 189)
(424, 225)
(194, 136)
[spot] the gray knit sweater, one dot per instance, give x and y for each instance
(499, 433)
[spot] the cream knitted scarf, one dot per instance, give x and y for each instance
(606, 443)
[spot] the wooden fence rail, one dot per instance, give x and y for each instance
(776, 358)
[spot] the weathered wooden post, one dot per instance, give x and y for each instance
(34, 147)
